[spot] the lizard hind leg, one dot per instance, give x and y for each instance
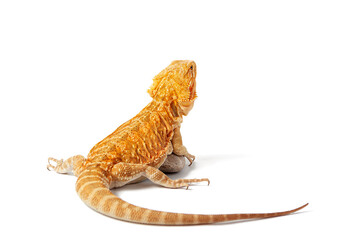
(66, 166)
(158, 177)
(127, 172)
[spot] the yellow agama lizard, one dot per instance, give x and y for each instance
(135, 151)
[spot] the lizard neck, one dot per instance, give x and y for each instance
(172, 110)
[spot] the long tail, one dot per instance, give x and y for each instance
(93, 188)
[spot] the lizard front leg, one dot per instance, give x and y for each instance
(179, 148)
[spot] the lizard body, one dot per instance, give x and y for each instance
(136, 149)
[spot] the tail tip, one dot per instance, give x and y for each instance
(303, 206)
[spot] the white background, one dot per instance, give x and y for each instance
(276, 123)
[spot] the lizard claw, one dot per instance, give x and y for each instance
(50, 166)
(190, 158)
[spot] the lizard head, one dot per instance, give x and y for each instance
(176, 83)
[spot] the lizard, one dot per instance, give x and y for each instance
(138, 148)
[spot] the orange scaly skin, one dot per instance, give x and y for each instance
(138, 148)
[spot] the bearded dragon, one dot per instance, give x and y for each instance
(136, 150)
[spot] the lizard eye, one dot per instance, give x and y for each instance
(191, 67)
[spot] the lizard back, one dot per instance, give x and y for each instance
(143, 139)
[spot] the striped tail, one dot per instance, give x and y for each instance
(93, 188)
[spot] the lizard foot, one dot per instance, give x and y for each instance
(50, 166)
(186, 182)
(67, 166)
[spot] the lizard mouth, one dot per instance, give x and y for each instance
(192, 89)
(192, 83)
